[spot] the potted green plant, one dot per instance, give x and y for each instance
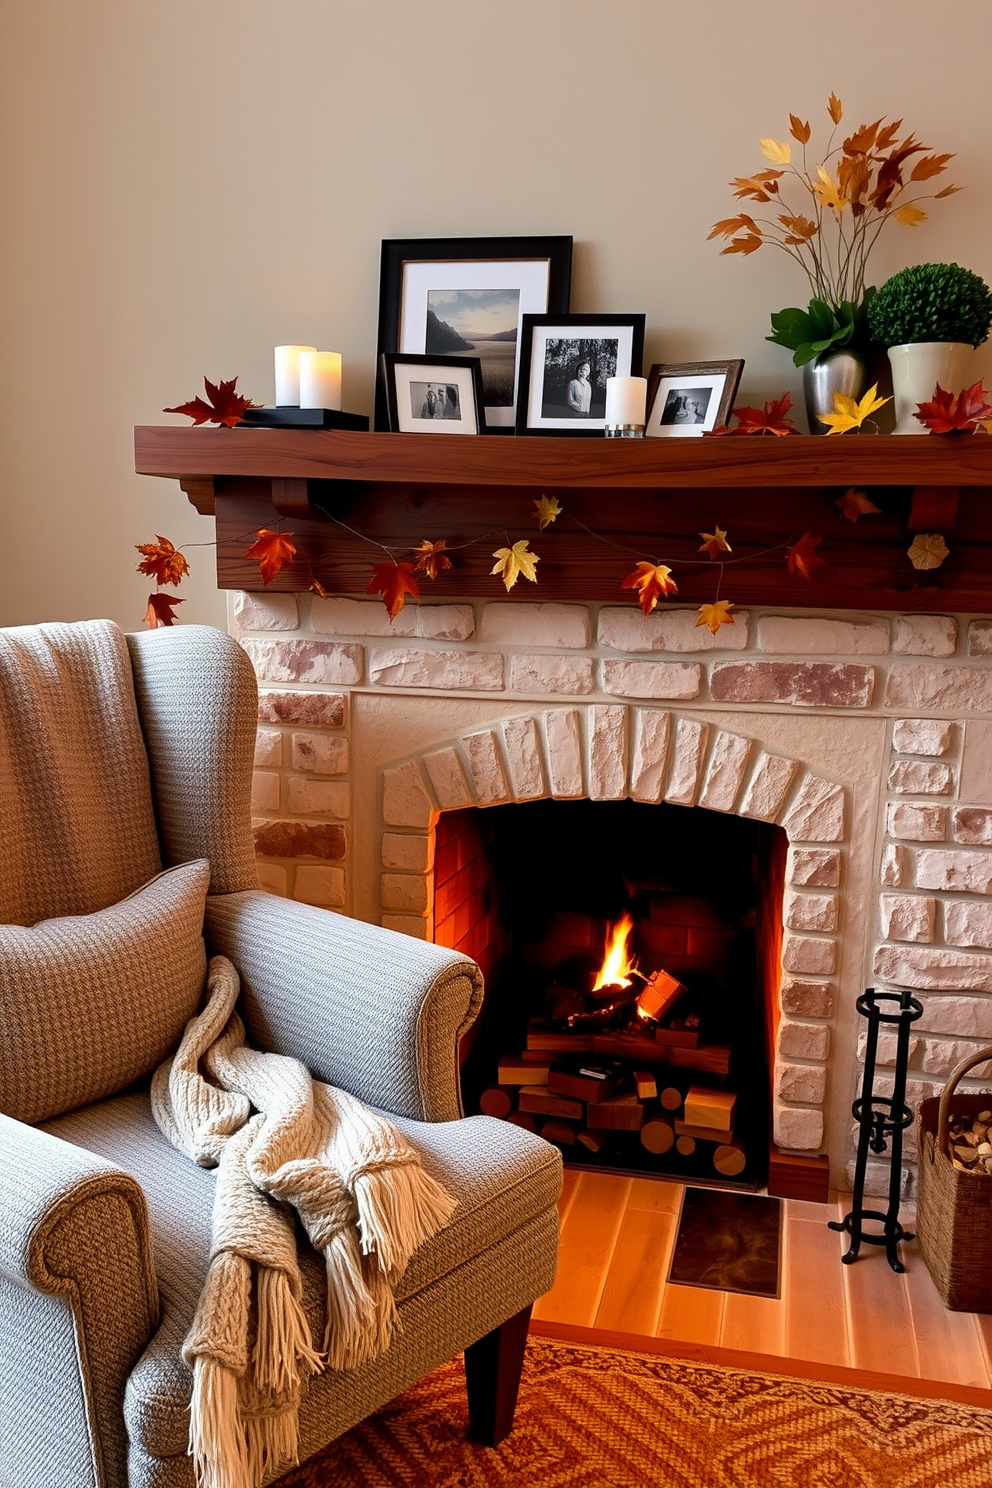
(847, 195)
(929, 318)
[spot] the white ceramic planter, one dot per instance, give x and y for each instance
(916, 371)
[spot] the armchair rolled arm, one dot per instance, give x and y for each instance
(75, 1228)
(366, 1009)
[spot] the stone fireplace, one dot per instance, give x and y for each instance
(867, 738)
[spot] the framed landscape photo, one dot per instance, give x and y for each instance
(690, 398)
(467, 297)
(565, 361)
(433, 394)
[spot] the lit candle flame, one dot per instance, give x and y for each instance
(617, 964)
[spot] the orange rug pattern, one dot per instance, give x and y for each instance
(599, 1418)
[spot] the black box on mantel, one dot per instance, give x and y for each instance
(288, 417)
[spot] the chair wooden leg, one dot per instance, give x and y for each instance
(492, 1378)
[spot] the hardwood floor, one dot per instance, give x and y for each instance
(862, 1322)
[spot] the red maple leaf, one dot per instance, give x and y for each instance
(162, 562)
(273, 550)
(803, 557)
(854, 504)
(945, 414)
(394, 581)
(432, 558)
(225, 405)
(768, 420)
(652, 581)
(161, 610)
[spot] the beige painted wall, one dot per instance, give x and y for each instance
(187, 184)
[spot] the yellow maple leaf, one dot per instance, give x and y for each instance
(849, 414)
(827, 190)
(512, 562)
(547, 509)
(778, 151)
(716, 614)
(714, 543)
(928, 550)
(909, 215)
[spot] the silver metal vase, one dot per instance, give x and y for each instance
(840, 370)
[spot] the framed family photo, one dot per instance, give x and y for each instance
(565, 362)
(467, 297)
(433, 394)
(690, 398)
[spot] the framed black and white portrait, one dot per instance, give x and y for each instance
(433, 394)
(565, 363)
(467, 297)
(690, 398)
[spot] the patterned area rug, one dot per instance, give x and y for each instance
(598, 1418)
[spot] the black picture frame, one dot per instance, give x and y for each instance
(539, 269)
(465, 414)
(716, 383)
(544, 395)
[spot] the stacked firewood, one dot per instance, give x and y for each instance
(971, 1142)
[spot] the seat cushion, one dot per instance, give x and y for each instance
(501, 1177)
(91, 1003)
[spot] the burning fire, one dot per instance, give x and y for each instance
(617, 964)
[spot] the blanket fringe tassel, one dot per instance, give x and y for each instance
(216, 1441)
(353, 1324)
(283, 1355)
(398, 1209)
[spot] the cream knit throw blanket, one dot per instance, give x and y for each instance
(282, 1142)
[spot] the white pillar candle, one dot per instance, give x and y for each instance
(288, 375)
(626, 400)
(320, 379)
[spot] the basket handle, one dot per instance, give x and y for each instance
(943, 1110)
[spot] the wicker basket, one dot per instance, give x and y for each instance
(954, 1209)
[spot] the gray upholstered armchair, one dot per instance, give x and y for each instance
(121, 757)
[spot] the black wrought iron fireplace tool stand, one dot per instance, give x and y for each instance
(880, 1118)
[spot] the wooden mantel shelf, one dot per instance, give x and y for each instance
(641, 498)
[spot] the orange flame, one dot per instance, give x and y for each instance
(617, 963)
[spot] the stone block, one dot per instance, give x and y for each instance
(952, 689)
(877, 1179)
(469, 671)
(897, 866)
(980, 638)
(806, 684)
(925, 635)
(957, 1017)
(937, 969)
(266, 612)
(809, 911)
(968, 922)
(405, 893)
(524, 754)
(486, 767)
(972, 825)
(801, 999)
(405, 802)
(309, 797)
(320, 754)
(916, 823)
(362, 617)
(813, 867)
(649, 759)
(537, 672)
(929, 736)
(887, 1049)
(948, 869)
(566, 627)
(328, 662)
(813, 635)
(272, 877)
(941, 1056)
(293, 839)
(798, 1129)
(608, 753)
(652, 679)
(324, 709)
(807, 956)
(672, 630)
(805, 1083)
(414, 925)
(315, 884)
(768, 787)
(264, 792)
(409, 853)
(907, 917)
(447, 777)
(725, 771)
(688, 747)
(268, 749)
(804, 1041)
(817, 813)
(921, 778)
(563, 730)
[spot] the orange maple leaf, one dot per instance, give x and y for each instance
(162, 562)
(854, 504)
(273, 550)
(714, 543)
(225, 405)
(652, 580)
(716, 614)
(768, 420)
(161, 610)
(433, 559)
(835, 108)
(803, 557)
(394, 581)
(945, 414)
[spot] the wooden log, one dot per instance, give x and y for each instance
(515, 1071)
(678, 1038)
(671, 1098)
(541, 1102)
(616, 1113)
(711, 1108)
(646, 1085)
(594, 1141)
(661, 991)
(685, 1145)
(657, 1136)
(562, 1133)
(522, 1119)
(585, 1086)
(495, 1102)
(713, 1059)
(729, 1161)
(540, 1036)
(702, 1133)
(642, 1049)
